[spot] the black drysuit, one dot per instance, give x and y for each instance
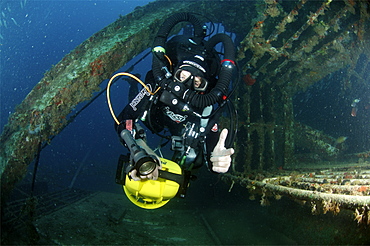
(199, 136)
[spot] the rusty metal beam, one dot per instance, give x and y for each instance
(44, 112)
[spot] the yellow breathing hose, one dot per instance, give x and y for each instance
(108, 91)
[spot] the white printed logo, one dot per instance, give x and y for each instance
(175, 117)
(140, 96)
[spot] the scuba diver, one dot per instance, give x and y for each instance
(181, 101)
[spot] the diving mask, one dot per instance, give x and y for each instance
(197, 83)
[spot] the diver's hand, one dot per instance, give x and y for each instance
(220, 156)
(153, 175)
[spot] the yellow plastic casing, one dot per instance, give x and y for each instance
(152, 194)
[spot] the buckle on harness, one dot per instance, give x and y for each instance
(177, 143)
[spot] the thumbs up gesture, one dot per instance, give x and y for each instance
(220, 156)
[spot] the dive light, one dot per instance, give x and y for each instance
(144, 163)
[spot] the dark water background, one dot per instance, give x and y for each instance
(39, 33)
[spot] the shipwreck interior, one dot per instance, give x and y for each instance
(298, 61)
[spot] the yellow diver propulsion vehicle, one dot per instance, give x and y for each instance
(152, 194)
(148, 193)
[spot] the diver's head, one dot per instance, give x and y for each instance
(193, 72)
